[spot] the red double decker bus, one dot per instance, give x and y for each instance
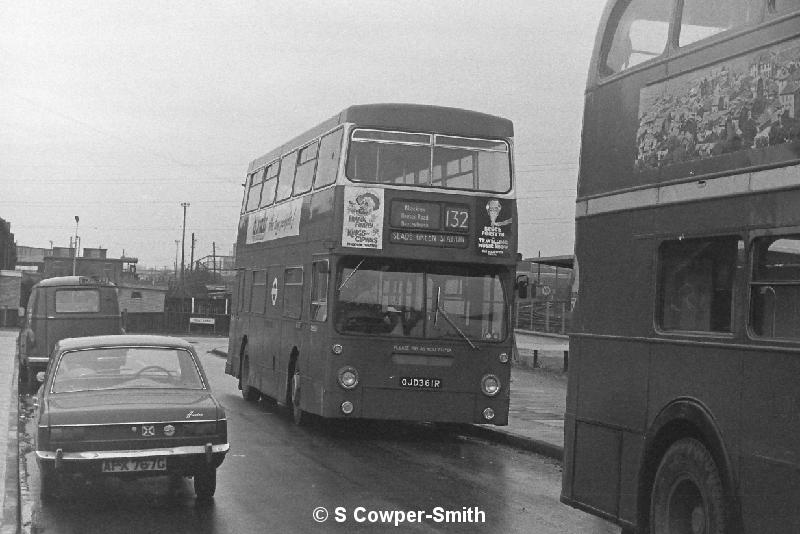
(376, 257)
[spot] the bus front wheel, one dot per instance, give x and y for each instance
(249, 393)
(299, 416)
(687, 493)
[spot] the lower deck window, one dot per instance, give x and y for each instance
(775, 287)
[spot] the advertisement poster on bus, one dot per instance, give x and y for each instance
(362, 226)
(494, 227)
(275, 222)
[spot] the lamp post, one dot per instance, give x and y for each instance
(75, 251)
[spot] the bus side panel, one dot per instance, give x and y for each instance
(608, 455)
(770, 456)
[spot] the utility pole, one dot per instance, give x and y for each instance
(214, 255)
(177, 242)
(75, 250)
(183, 241)
(191, 260)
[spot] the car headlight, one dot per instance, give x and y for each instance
(490, 385)
(348, 377)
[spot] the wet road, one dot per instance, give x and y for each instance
(367, 477)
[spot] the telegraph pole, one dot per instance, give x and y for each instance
(75, 250)
(177, 242)
(183, 241)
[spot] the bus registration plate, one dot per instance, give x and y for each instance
(420, 382)
(132, 465)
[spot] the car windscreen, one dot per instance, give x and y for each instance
(126, 367)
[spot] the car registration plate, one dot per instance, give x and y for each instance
(133, 465)
(420, 382)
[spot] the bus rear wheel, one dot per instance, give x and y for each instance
(299, 416)
(687, 493)
(249, 393)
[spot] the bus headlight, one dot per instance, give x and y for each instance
(348, 377)
(490, 385)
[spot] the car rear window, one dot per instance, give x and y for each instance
(126, 368)
(77, 301)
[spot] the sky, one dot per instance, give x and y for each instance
(118, 112)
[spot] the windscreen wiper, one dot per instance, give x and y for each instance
(349, 276)
(450, 321)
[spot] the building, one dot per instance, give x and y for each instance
(8, 250)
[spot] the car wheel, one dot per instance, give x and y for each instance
(48, 482)
(299, 416)
(249, 393)
(687, 492)
(205, 483)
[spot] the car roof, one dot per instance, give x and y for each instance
(74, 281)
(144, 340)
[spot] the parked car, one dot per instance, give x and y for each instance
(128, 406)
(60, 307)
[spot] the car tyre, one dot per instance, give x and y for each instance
(205, 483)
(687, 493)
(249, 393)
(299, 416)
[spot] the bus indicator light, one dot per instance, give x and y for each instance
(337, 349)
(488, 414)
(503, 357)
(347, 407)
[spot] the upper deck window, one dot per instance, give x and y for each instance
(255, 183)
(703, 18)
(429, 160)
(637, 31)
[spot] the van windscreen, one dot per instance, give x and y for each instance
(77, 301)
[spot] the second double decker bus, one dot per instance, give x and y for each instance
(376, 257)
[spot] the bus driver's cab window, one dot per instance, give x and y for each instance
(696, 284)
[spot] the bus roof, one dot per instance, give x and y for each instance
(410, 117)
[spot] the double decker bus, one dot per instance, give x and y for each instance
(683, 400)
(375, 263)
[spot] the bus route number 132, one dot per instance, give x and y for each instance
(457, 219)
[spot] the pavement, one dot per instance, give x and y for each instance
(536, 413)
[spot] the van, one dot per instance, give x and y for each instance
(62, 307)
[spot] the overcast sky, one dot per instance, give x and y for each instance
(119, 111)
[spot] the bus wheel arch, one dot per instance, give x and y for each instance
(681, 430)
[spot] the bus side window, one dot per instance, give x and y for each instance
(637, 31)
(305, 168)
(286, 176)
(775, 287)
(293, 292)
(703, 18)
(696, 285)
(328, 165)
(254, 191)
(319, 291)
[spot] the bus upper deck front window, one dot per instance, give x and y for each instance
(637, 31)
(405, 159)
(703, 18)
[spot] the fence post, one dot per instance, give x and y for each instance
(566, 360)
